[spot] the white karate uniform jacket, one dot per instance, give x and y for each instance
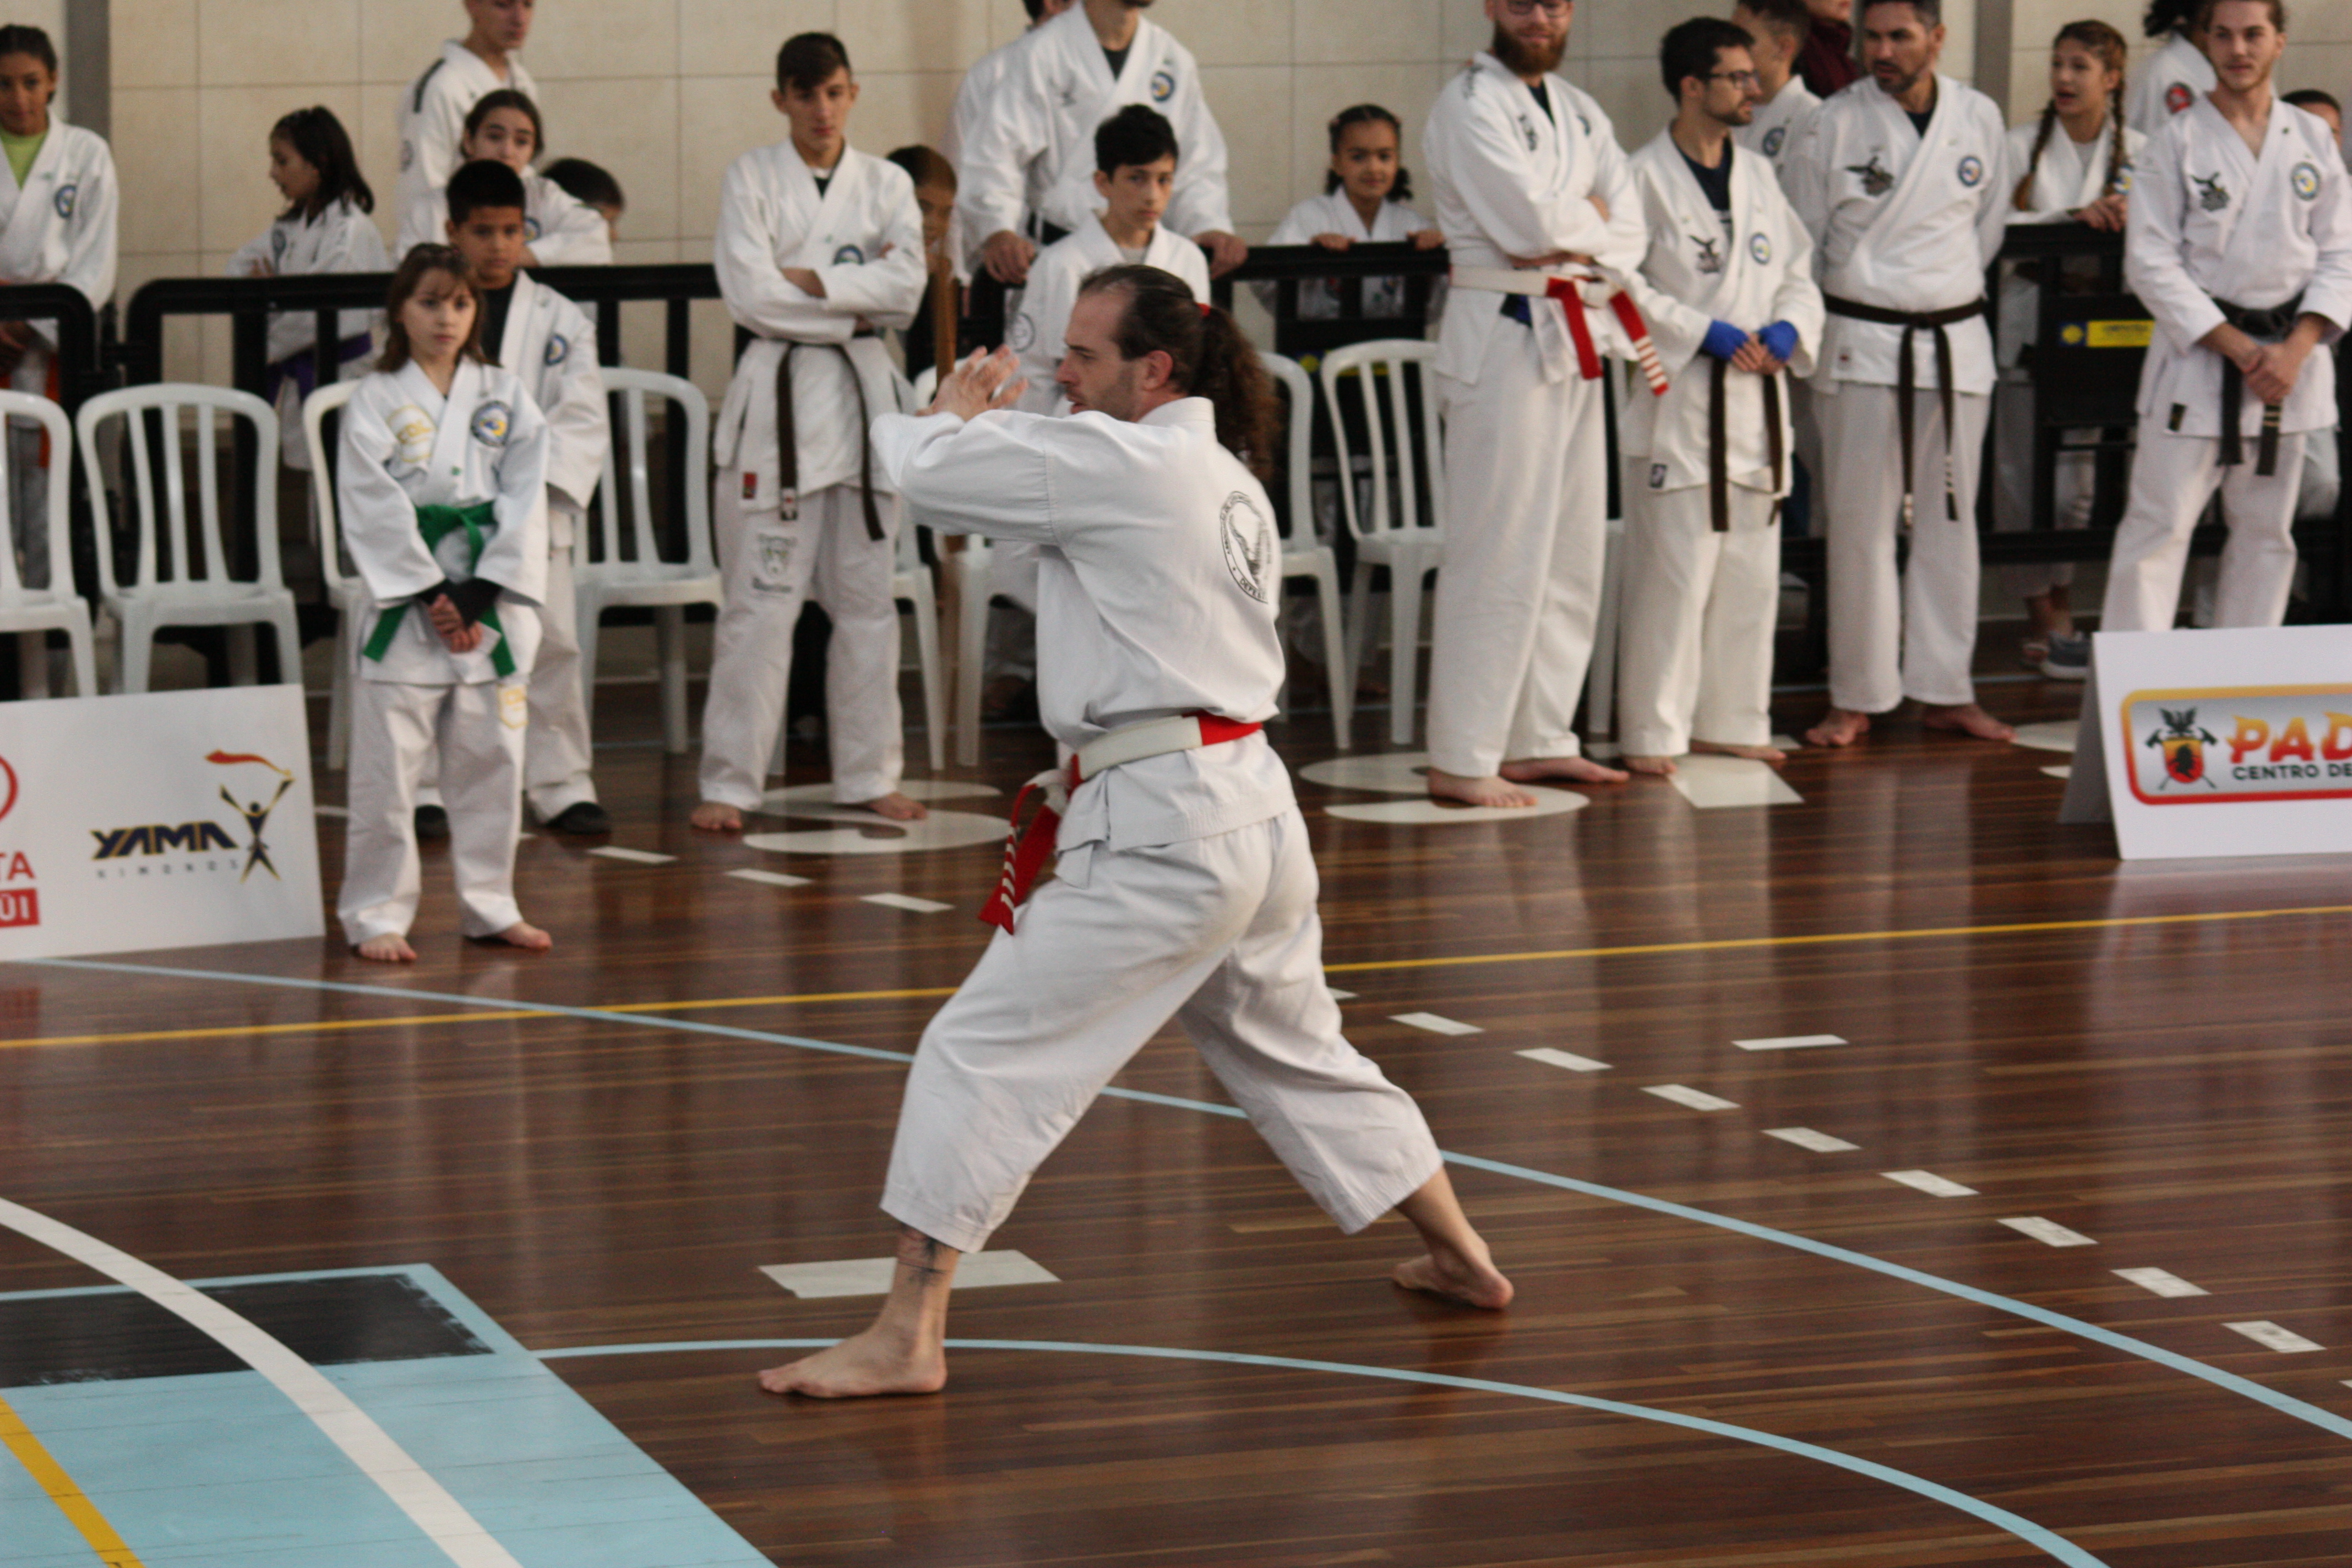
(59, 227)
(1903, 222)
(1036, 332)
(1041, 121)
(1507, 180)
(864, 239)
(2059, 189)
(2210, 221)
(1158, 580)
(432, 118)
(975, 99)
(561, 229)
(1333, 213)
(341, 240)
(404, 446)
(1694, 277)
(550, 343)
(1778, 121)
(2165, 83)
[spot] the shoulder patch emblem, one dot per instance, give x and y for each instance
(1875, 180)
(64, 200)
(1249, 544)
(493, 423)
(2305, 180)
(559, 348)
(530, 230)
(412, 434)
(1760, 246)
(849, 256)
(1772, 140)
(2178, 97)
(1972, 171)
(1019, 332)
(1163, 86)
(2211, 195)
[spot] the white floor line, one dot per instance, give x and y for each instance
(1429, 814)
(2156, 1281)
(1696, 1099)
(872, 1276)
(1567, 1060)
(1713, 782)
(1339, 996)
(2270, 1336)
(2062, 771)
(769, 878)
(410, 1487)
(636, 857)
(2058, 735)
(1789, 1043)
(2048, 1232)
(1928, 1182)
(904, 902)
(1806, 1138)
(1435, 1024)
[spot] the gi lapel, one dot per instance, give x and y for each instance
(454, 425)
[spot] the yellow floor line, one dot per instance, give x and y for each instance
(225, 1030)
(37, 1458)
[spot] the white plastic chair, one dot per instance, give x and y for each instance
(1388, 529)
(666, 586)
(1304, 555)
(197, 591)
(344, 591)
(34, 613)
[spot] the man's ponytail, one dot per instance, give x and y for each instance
(1209, 356)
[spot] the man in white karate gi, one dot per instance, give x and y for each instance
(1729, 292)
(1028, 173)
(1185, 887)
(432, 110)
(2240, 243)
(1531, 191)
(2176, 75)
(819, 246)
(1782, 99)
(1900, 178)
(975, 101)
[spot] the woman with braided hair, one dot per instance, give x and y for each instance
(2074, 165)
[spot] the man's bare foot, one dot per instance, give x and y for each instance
(1658, 767)
(1496, 791)
(870, 1363)
(894, 807)
(1575, 770)
(1966, 719)
(1452, 1276)
(1753, 753)
(717, 817)
(526, 936)
(387, 949)
(1841, 727)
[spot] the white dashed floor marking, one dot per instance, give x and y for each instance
(1928, 1182)
(2048, 1232)
(1712, 784)
(1567, 1060)
(2270, 1336)
(1436, 1024)
(1806, 1138)
(871, 1276)
(1789, 1043)
(1696, 1099)
(2158, 1282)
(1339, 996)
(636, 856)
(771, 878)
(904, 902)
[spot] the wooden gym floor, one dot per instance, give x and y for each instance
(1736, 1341)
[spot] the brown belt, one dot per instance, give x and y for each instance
(1718, 446)
(788, 447)
(1928, 321)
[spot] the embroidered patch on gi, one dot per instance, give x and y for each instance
(1760, 246)
(64, 200)
(412, 434)
(1019, 332)
(2178, 97)
(849, 256)
(1972, 172)
(2173, 423)
(407, 155)
(1710, 255)
(514, 707)
(558, 348)
(751, 486)
(279, 240)
(1249, 543)
(1875, 180)
(2305, 180)
(1527, 130)
(530, 230)
(2212, 196)
(2121, 183)
(788, 505)
(1772, 140)
(1163, 86)
(491, 422)
(773, 574)
(1657, 476)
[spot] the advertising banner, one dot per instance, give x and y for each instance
(168, 819)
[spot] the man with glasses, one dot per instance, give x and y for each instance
(1539, 209)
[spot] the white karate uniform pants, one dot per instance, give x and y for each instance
(477, 734)
(771, 566)
(2013, 511)
(1221, 933)
(1912, 634)
(556, 755)
(2172, 478)
(1700, 611)
(1527, 532)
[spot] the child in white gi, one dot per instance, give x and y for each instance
(819, 247)
(431, 115)
(1365, 200)
(324, 228)
(441, 492)
(1184, 888)
(559, 230)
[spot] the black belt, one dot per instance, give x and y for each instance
(1718, 447)
(788, 446)
(1926, 320)
(2263, 326)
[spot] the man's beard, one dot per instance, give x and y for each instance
(1520, 59)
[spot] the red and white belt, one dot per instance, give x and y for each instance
(1575, 291)
(1026, 847)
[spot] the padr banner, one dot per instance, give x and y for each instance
(165, 819)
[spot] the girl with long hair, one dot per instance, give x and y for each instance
(1366, 199)
(559, 230)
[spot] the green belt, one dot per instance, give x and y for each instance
(438, 523)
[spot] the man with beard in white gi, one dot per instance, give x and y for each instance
(1185, 887)
(818, 246)
(1783, 100)
(1899, 178)
(2240, 243)
(432, 112)
(1731, 302)
(1533, 195)
(1070, 75)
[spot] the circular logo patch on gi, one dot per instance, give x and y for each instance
(1760, 246)
(412, 434)
(1249, 544)
(1163, 86)
(2121, 183)
(491, 422)
(64, 200)
(514, 707)
(849, 256)
(1772, 140)
(1019, 332)
(558, 350)
(530, 230)
(2178, 97)
(2305, 180)
(1972, 172)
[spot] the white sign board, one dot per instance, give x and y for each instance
(170, 819)
(2224, 742)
